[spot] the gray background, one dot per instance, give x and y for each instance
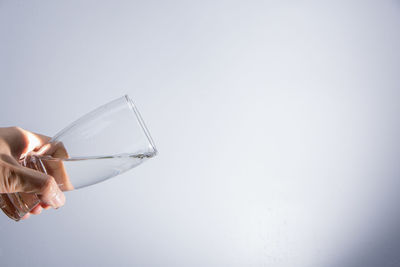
(277, 125)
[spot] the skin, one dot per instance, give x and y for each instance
(17, 143)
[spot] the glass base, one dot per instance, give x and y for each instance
(16, 205)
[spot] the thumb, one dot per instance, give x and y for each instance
(21, 179)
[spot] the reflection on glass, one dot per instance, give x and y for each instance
(102, 144)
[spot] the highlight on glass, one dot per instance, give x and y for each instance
(108, 141)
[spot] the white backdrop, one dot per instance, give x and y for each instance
(277, 125)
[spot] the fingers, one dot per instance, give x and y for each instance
(17, 143)
(45, 206)
(40, 144)
(37, 210)
(42, 184)
(21, 141)
(56, 168)
(15, 178)
(26, 216)
(51, 194)
(55, 149)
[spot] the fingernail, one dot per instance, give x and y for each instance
(58, 200)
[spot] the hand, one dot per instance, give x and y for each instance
(15, 143)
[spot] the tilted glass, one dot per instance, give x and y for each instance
(101, 144)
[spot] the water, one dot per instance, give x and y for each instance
(75, 173)
(70, 174)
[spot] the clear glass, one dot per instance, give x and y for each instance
(102, 144)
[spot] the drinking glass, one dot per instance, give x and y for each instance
(102, 144)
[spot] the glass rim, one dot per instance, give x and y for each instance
(137, 115)
(135, 112)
